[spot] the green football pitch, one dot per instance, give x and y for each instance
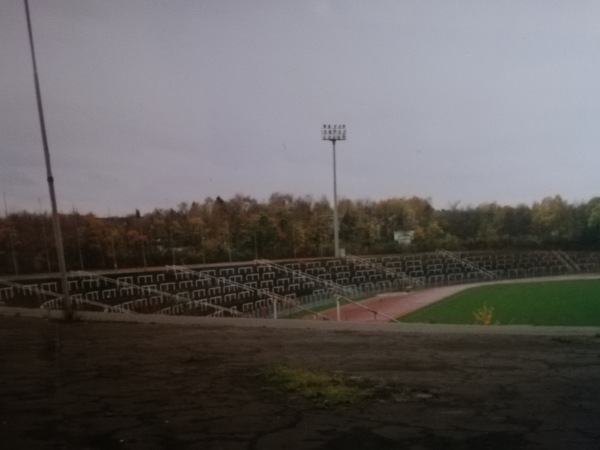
(567, 303)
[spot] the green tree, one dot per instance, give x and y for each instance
(551, 219)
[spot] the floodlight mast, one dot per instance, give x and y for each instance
(334, 133)
(55, 219)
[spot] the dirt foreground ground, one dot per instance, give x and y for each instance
(199, 385)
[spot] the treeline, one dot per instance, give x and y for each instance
(286, 226)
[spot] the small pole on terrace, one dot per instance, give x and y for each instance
(10, 238)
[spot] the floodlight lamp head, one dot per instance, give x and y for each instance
(333, 132)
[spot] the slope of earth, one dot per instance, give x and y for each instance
(96, 385)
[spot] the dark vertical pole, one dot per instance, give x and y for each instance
(77, 238)
(55, 218)
(11, 238)
(43, 219)
(202, 244)
(114, 251)
(172, 245)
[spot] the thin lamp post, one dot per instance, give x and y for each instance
(10, 238)
(55, 219)
(43, 219)
(334, 133)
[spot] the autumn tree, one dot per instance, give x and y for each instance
(286, 226)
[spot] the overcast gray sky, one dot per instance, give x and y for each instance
(151, 103)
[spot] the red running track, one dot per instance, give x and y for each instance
(392, 305)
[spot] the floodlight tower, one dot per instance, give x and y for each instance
(334, 133)
(55, 219)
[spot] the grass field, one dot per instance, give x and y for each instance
(568, 303)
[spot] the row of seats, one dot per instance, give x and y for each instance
(243, 286)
